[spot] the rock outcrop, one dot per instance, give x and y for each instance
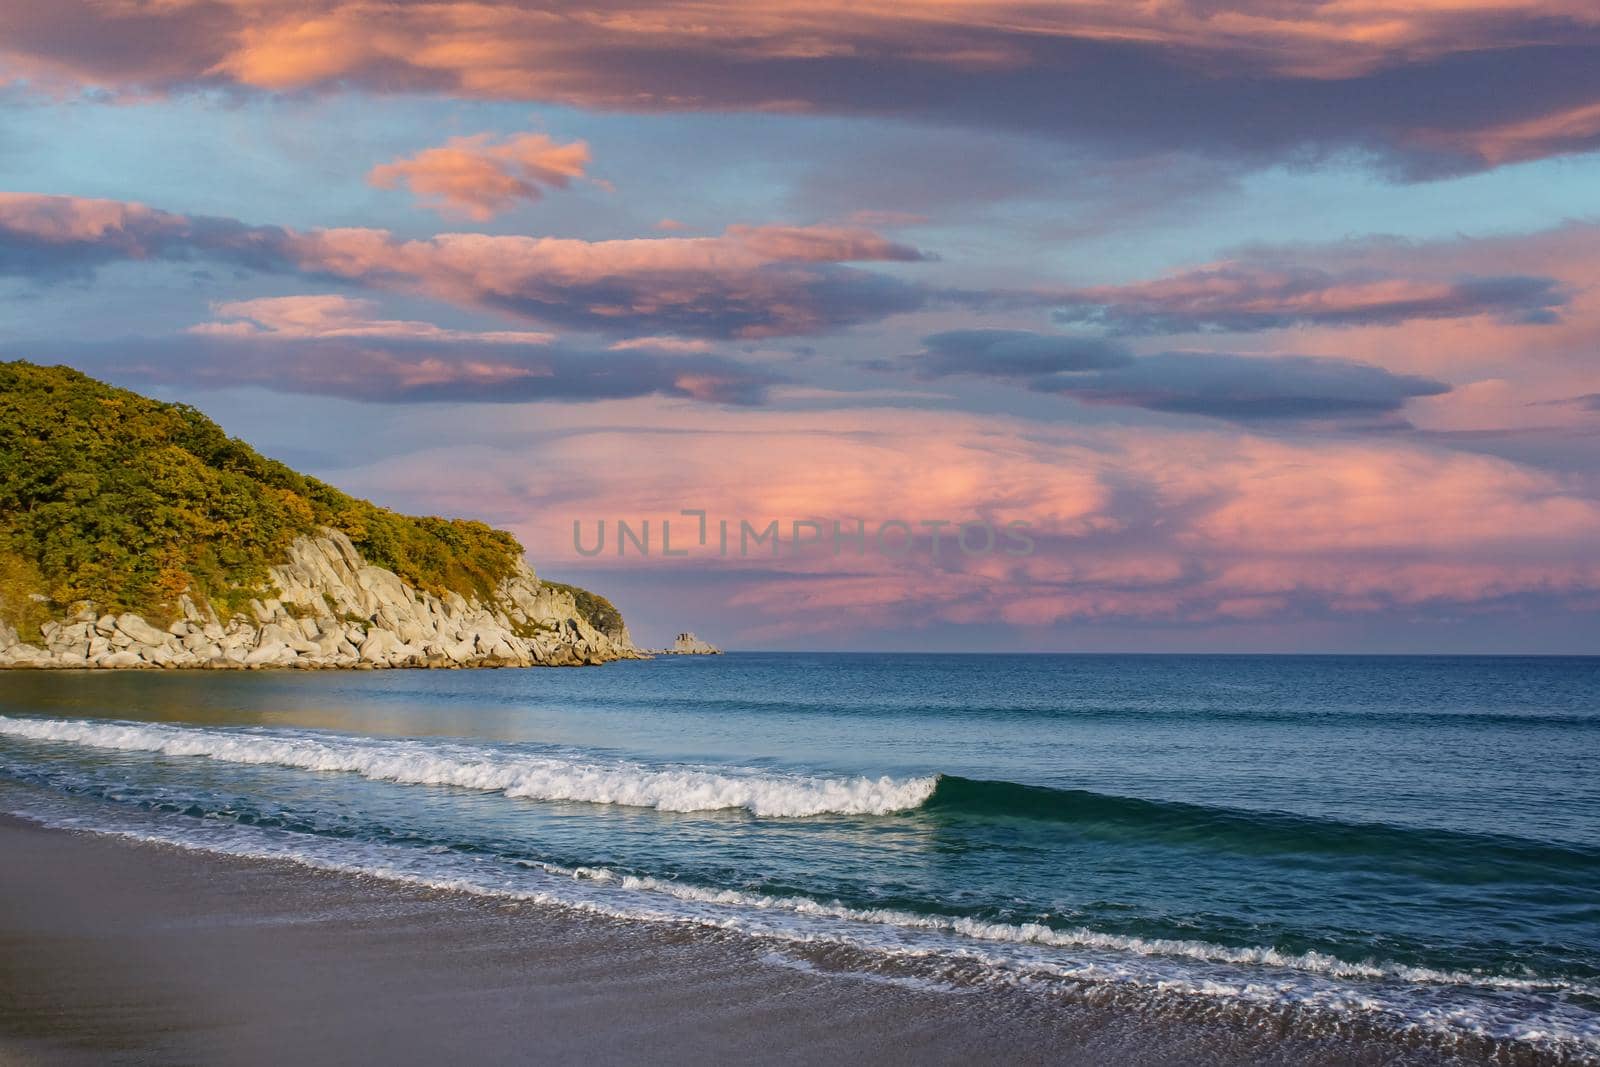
(334, 610)
(687, 644)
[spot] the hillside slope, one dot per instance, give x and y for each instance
(136, 529)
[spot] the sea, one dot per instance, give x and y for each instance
(1404, 846)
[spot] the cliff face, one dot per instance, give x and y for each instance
(333, 610)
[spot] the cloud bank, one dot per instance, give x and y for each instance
(749, 282)
(1180, 527)
(1446, 86)
(1246, 388)
(392, 368)
(1241, 297)
(1218, 384)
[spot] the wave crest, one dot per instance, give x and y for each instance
(669, 788)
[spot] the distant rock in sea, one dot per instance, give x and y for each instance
(687, 644)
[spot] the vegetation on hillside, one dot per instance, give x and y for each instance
(596, 610)
(109, 496)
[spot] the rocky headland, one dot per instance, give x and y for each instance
(136, 533)
(334, 610)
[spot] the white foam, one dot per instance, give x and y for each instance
(1533, 1010)
(686, 790)
(1111, 964)
(1040, 934)
(681, 789)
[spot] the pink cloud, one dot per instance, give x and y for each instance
(1133, 525)
(478, 177)
(505, 49)
(399, 362)
(1573, 129)
(1172, 73)
(69, 220)
(1512, 321)
(326, 316)
(1246, 296)
(662, 344)
(1508, 372)
(751, 281)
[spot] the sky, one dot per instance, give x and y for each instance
(1184, 325)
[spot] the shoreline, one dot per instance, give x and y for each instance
(137, 952)
(233, 665)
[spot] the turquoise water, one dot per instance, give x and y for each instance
(1409, 843)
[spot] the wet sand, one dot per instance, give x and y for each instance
(119, 952)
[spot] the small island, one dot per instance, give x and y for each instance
(687, 644)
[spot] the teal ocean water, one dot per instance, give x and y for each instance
(1405, 844)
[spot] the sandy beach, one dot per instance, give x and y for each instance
(142, 954)
(123, 952)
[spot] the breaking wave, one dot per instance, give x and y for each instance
(515, 774)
